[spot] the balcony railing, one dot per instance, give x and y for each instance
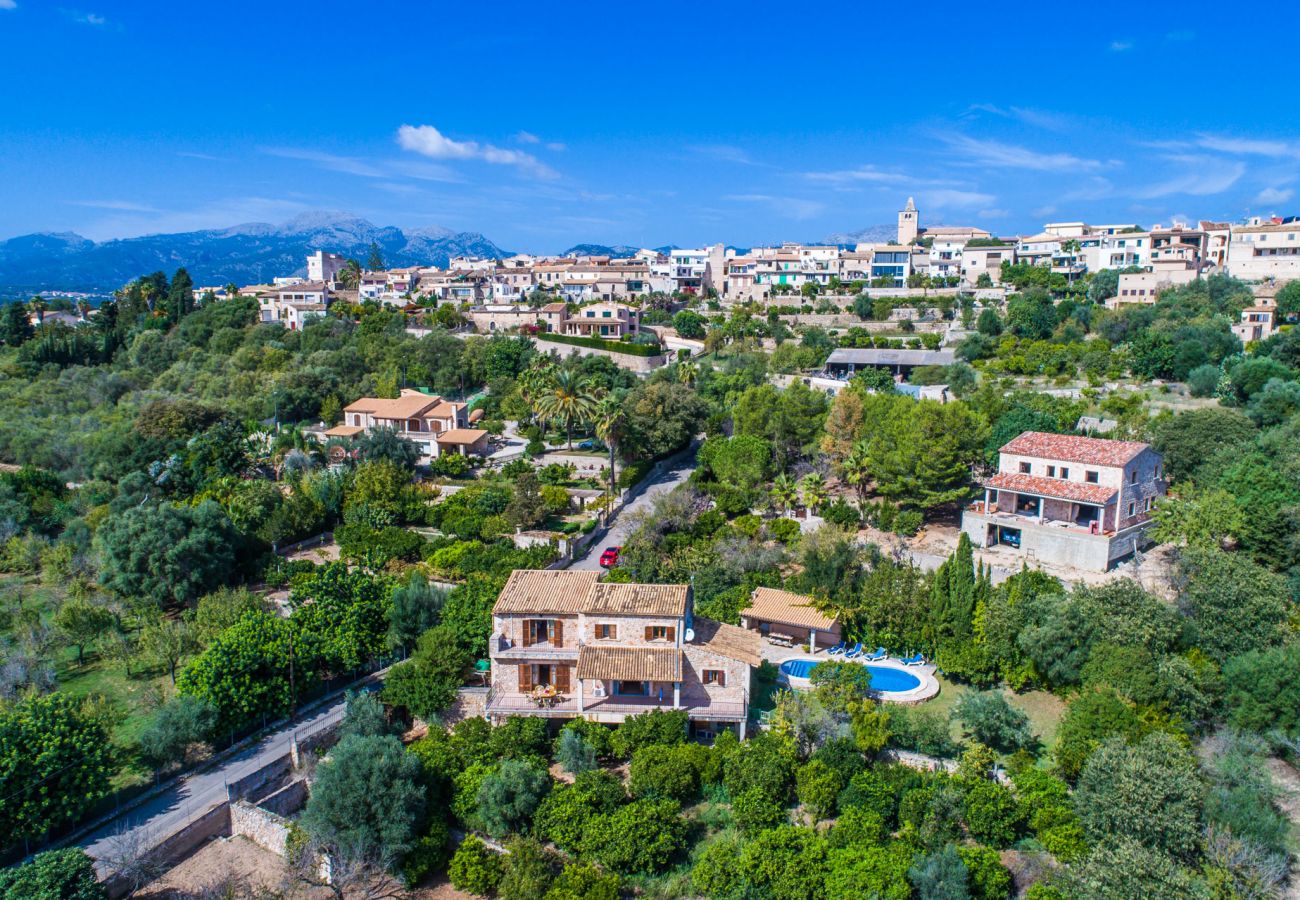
(508, 703)
(1021, 519)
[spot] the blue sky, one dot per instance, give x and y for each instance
(545, 124)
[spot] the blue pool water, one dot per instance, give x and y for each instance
(883, 678)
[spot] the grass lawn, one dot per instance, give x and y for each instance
(131, 699)
(1044, 709)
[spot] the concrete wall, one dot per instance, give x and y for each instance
(213, 823)
(265, 780)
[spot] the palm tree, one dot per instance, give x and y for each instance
(784, 493)
(568, 397)
(350, 274)
(609, 428)
(857, 471)
(814, 490)
(688, 373)
(38, 306)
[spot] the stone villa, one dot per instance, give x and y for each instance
(566, 645)
(1066, 500)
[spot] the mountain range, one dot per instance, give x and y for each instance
(872, 234)
(245, 254)
(257, 252)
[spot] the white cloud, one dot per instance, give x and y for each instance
(795, 207)
(1011, 156)
(527, 137)
(429, 141)
(95, 20)
(119, 205)
(8, 4)
(863, 173)
(1274, 195)
(1202, 182)
(992, 214)
(1039, 118)
(216, 214)
(943, 198)
(189, 154)
(724, 153)
(557, 146)
(1247, 146)
(349, 165)
(1120, 46)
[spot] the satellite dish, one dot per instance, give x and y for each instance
(689, 634)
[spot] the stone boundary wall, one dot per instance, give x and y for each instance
(639, 364)
(267, 829)
(258, 782)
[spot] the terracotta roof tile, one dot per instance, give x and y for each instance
(545, 591)
(1056, 488)
(772, 605)
(638, 599)
(630, 663)
(1072, 448)
(730, 641)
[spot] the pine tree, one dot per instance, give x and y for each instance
(180, 296)
(375, 262)
(15, 328)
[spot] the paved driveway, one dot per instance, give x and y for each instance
(192, 796)
(617, 536)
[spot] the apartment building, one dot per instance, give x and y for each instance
(566, 645)
(1065, 500)
(435, 425)
(892, 261)
(1263, 250)
(977, 261)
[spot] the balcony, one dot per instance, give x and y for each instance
(516, 704)
(996, 516)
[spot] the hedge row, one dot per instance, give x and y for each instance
(600, 344)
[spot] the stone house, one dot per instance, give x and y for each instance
(1062, 499)
(566, 645)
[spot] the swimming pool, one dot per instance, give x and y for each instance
(886, 679)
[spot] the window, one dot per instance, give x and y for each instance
(631, 688)
(1051, 471)
(1133, 477)
(607, 632)
(659, 633)
(1132, 507)
(1091, 477)
(1024, 468)
(715, 676)
(1065, 473)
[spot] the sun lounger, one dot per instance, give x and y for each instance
(853, 653)
(916, 660)
(879, 654)
(837, 649)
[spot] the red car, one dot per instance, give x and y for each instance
(609, 558)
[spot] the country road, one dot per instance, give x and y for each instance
(192, 796)
(663, 483)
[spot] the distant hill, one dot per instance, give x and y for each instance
(244, 254)
(872, 234)
(622, 251)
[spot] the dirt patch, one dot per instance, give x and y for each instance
(228, 861)
(324, 553)
(1287, 781)
(440, 890)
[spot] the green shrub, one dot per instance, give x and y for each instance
(474, 868)
(598, 344)
(784, 530)
(755, 811)
(429, 854)
(908, 522)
